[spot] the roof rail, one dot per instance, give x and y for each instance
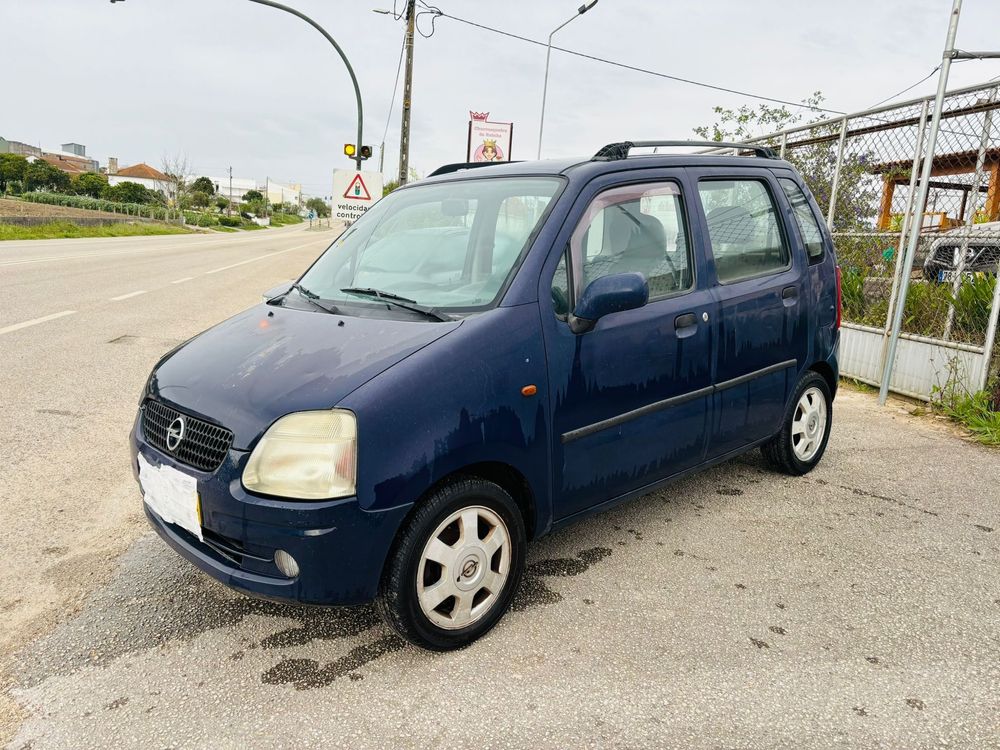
(459, 166)
(616, 151)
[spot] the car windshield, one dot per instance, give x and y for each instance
(451, 245)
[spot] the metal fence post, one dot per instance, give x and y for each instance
(925, 178)
(832, 209)
(970, 217)
(784, 143)
(907, 225)
(991, 333)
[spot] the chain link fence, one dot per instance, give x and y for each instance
(864, 171)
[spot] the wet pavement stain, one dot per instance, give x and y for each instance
(306, 674)
(915, 703)
(759, 643)
(729, 491)
(987, 529)
(117, 703)
(325, 625)
(778, 630)
(534, 591)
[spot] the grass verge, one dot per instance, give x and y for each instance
(976, 414)
(63, 229)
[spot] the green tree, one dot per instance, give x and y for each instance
(252, 195)
(857, 192)
(12, 167)
(202, 185)
(88, 183)
(127, 192)
(319, 206)
(200, 199)
(389, 187)
(40, 175)
(221, 203)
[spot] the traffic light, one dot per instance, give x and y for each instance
(366, 152)
(349, 150)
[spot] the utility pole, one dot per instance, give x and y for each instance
(267, 193)
(404, 133)
(229, 208)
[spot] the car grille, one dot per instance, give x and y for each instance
(204, 445)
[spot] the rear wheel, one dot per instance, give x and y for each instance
(805, 429)
(455, 567)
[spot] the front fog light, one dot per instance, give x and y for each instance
(286, 563)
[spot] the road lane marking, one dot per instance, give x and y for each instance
(181, 281)
(120, 297)
(36, 321)
(260, 257)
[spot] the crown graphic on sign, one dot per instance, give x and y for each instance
(490, 143)
(481, 116)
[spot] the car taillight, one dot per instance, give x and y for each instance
(840, 300)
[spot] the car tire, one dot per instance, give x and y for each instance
(805, 427)
(455, 566)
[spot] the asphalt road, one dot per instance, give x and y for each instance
(81, 323)
(856, 607)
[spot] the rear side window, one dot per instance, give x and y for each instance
(743, 228)
(812, 235)
(637, 228)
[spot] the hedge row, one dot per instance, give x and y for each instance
(98, 204)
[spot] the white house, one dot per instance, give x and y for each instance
(143, 174)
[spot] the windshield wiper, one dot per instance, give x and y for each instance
(312, 298)
(399, 301)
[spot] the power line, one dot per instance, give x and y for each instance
(900, 93)
(637, 69)
(395, 86)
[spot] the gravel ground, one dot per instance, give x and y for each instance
(856, 607)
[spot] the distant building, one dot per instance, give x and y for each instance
(283, 193)
(240, 186)
(16, 147)
(143, 174)
(69, 162)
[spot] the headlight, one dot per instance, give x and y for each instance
(309, 455)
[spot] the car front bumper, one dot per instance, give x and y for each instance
(340, 548)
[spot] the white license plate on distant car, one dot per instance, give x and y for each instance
(172, 495)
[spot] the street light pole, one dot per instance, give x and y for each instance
(331, 40)
(548, 54)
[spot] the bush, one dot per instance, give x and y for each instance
(972, 308)
(98, 204)
(230, 221)
(128, 192)
(207, 220)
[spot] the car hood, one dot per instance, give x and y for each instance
(270, 361)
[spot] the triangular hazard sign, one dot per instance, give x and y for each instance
(357, 190)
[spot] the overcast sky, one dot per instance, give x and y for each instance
(229, 82)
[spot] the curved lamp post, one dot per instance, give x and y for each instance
(548, 54)
(331, 40)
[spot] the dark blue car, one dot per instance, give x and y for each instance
(485, 356)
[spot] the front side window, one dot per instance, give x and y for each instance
(743, 228)
(451, 245)
(812, 235)
(638, 228)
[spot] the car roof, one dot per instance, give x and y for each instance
(587, 167)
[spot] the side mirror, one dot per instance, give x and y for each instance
(606, 295)
(277, 291)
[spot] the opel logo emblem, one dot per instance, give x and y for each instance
(175, 433)
(469, 569)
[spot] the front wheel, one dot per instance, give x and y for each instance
(805, 428)
(455, 567)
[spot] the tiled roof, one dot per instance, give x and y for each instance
(142, 170)
(67, 164)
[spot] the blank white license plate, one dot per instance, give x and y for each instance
(172, 495)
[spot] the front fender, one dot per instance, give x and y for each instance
(455, 403)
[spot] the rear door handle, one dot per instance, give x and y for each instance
(685, 325)
(789, 295)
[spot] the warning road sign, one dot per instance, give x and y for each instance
(357, 189)
(354, 192)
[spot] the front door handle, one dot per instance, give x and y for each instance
(789, 295)
(685, 325)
